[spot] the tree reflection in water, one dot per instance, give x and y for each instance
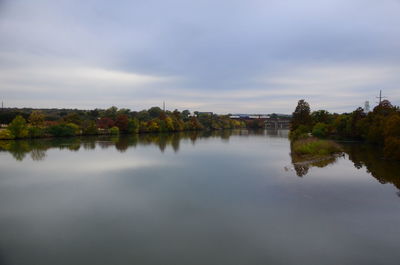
(362, 155)
(301, 165)
(37, 147)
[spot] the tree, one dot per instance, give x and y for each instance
(169, 124)
(114, 130)
(178, 124)
(89, 127)
(354, 127)
(143, 115)
(36, 118)
(321, 116)
(73, 117)
(6, 135)
(133, 126)
(105, 123)
(193, 124)
(301, 115)
(18, 127)
(392, 126)
(176, 114)
(121, 122)
(384, 108)
(123, 111)
(392, 148)
(185, 115)
(320, 130)
(110, 112)
(63, 130)
(155, 112)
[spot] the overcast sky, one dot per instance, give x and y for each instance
(224, 56)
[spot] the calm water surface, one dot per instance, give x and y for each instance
(225, 198)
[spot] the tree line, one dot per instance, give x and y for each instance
(380, 126)
(111, 121)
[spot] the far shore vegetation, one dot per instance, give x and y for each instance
(31, 123)
(380, 127)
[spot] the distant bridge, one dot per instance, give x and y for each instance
(272, 123)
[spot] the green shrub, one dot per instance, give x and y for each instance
(18, 127)
(35, 132)
(320, 130)
(300, 133)
(62, 130)
(6, 135)
(114, 130)
(75, 127)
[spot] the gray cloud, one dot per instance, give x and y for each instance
(225, 56)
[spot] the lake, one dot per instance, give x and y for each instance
(231, 197)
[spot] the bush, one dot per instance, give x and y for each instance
(320, 130)
(35, 132)
(114, 130)
(89, 128)
(6, 135)
(62, 130)
(75, 127)
(300, 133)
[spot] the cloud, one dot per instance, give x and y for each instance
(229, 56)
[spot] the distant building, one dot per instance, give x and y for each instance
(366, 107)
(204, 113)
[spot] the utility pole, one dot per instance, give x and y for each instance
(380, 97)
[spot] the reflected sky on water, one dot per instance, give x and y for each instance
(232, 197)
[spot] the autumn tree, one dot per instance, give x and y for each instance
(121, 122)
(105, 123)
(36, 118)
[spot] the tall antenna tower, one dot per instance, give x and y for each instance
(164, 106)
(380, 97)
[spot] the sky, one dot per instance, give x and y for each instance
(226, 56)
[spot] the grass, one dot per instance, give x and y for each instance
(314, 147)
